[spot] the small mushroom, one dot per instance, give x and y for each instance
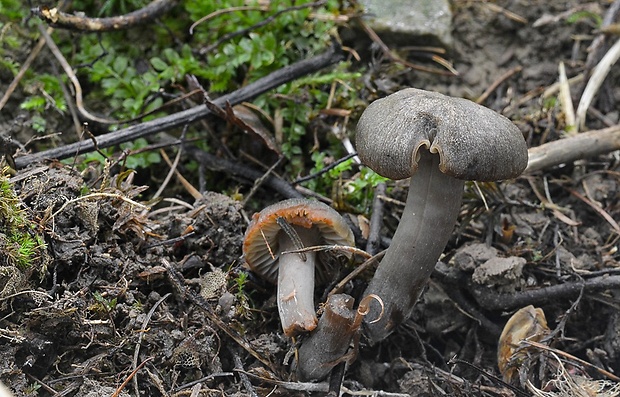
(438, 141)
(288, 226)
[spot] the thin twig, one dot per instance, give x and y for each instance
(195, 193)
(245, 380)
(22, 71)
(76, 83)
(373, 243)
(602, 371)
(323, 387)
(259, 182)
(95, 195)
(30, 291)
(172, 171)
(242, 171)
(358, 270)
(343, 248)
(505, 76)
(133, 373)
(324, 170)
(60, 19)
(597, 209)
(567, 150)
(290, 231)
(489, 299)
(395, 58)
(136, 352)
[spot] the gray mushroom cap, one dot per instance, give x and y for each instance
(473, 142)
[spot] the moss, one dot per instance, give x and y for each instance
(20, 244)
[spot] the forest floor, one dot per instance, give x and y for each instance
(108, 303)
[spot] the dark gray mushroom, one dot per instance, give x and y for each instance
(439, 142)
(312, 223)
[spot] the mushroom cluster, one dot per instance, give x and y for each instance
(438, 142)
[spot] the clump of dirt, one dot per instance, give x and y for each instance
(107, 254)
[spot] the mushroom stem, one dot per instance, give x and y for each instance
(432, 207)
(296, 283)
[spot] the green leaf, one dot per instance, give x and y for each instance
(158, 64)
(33, 103)
(120, 64)
(38, 123)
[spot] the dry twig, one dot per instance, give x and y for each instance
(57, 18)
(567, 150)
(22, 71)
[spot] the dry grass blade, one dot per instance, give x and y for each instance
(22, 71)
(566, 101)
(598, 210)
(195, 193)
(599, 74)
(568, 356)
(341, 248)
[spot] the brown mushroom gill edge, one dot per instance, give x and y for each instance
(438, 141)
(314, 223)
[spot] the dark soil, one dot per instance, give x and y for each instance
(111, 298)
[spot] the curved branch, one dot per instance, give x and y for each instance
(59, 19)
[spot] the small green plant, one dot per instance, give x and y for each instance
(355, 190)
(33, 389)
(240, 281)
(243, 306)
(585, 15)
(140, 159)
(19, 242)
(103, 305)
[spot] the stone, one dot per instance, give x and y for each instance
(411, 22)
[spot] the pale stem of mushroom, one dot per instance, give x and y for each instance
(296, 283)
(428, 219)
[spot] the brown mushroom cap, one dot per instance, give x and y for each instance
(473, 142)
(261, 238)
